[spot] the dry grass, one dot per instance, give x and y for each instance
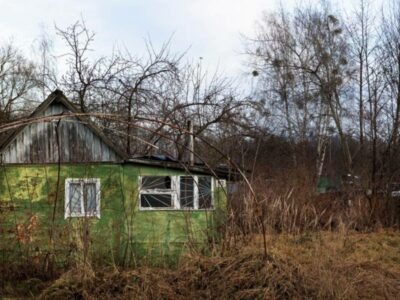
(291, 205)
(319, 265)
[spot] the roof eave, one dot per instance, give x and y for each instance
(185, 167)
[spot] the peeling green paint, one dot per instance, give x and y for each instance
(32, 216)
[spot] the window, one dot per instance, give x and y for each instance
(157, 192)
(186, 196)
(156, 182)
(176, 192)
(82, 197)
(205, 192)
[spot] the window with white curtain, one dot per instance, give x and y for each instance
(82, 197)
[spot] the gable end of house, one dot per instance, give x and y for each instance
(73, 139)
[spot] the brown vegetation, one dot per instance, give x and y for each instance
(323, 265)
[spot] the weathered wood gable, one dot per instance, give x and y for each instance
(78, 141)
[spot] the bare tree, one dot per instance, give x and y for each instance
(207, 102)
(17, 80)
(140, 86)
(47, 73)
(390, 51)
(360, 35)
(85, 74)
(273, 60)
(302, 60)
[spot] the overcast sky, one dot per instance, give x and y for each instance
(208, 28)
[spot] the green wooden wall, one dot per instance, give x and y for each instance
(32, 224)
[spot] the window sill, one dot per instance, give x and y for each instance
(82, 216)
(176, 209)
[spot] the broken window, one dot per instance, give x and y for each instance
(156, 192)
(205, 192)
(156, 200)
(176, 192)
(82, 197)
(186, 195)
(156, 182)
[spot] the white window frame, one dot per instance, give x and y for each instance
(221, 183)
(68, 213)
(175, 193)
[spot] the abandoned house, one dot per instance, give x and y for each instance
(64, 187)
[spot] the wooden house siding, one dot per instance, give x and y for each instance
(37, 142)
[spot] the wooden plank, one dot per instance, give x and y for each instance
(6, 154)
(90, 142)
(46, 142)
(65, 141)
(37, 142)
(97, 149)
(20, 150)
(26, 145)
(73, 140)
(14, 154)
(40, 140)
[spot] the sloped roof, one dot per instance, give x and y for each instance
(58, 97)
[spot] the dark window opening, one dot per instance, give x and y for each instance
(156, 200)
(156, 182)
(187, 192)
(205, 195)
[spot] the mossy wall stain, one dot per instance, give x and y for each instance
(122, 235)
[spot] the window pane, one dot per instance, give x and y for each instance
(89, 195)
(75, 198)
(155, 200)
(205, 196)
(186, 191)
(156, 182)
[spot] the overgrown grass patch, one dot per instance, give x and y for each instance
(314, 265)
